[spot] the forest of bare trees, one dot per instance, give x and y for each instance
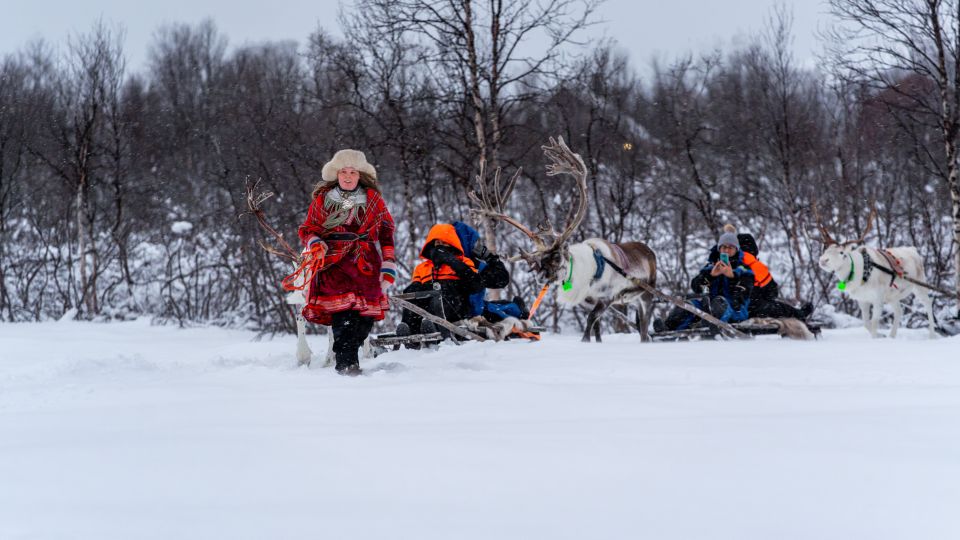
(122, 192)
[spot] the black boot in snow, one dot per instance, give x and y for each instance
(348, 364)
(351, 371)
(403, 330)
(659, 325)
(427, 327)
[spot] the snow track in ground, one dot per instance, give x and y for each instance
(128, 430)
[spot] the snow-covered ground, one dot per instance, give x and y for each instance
(126, 430)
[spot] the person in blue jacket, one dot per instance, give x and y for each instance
(724, 286)
(495, 276)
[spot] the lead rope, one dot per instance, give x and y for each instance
(310, 263)
(536, 303)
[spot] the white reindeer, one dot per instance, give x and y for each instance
(869, 277)
(594, 273)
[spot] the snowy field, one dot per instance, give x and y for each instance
(126, 430)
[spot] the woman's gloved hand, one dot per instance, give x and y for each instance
(388, 275)
(314, 248)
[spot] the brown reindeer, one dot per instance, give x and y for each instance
(595, 273)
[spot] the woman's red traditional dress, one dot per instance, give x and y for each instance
(350, 276)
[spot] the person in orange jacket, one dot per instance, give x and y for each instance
(445, 266)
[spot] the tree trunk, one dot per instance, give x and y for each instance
(85, 300)
(954, 183)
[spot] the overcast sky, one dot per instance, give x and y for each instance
(644, 28)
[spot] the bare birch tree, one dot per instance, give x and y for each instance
(488, 56)
(885, 41)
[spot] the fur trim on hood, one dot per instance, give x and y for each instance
(347, 158)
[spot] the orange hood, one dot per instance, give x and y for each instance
(446, 234)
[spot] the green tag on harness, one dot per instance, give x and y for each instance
(843, 284)
(567, 285)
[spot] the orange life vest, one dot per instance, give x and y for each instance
(426, 271)
(761, 274)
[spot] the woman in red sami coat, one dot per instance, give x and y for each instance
(347, 221)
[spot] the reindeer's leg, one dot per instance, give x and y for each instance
(303, 350)
(644, 310)
(865, 315)
(897, 315)
(296, 300)
(876, 315)
(592, 322)
(923, 296)
(331, 357)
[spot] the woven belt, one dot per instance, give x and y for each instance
(345, 237)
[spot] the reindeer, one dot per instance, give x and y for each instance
(595, 273)
(874, 277)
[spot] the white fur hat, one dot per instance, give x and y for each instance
(347, 158)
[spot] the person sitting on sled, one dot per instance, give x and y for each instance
(454, 261)
(727, 285)
(764, 299)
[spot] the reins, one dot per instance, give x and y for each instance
(310, 263)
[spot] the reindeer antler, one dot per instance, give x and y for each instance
(254, 202)
(870, 218)
(565, 161)
(490, 204)
(824, 233)
(562, 161)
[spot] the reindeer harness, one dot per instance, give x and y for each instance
(895, 271)
(601, 265)
(601, 261)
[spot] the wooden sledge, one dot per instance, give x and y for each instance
(706, 331)
(382, 343)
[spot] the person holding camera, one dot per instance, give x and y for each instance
(724, 286)
(765, 298)
(446, 265)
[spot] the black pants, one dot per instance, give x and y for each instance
(349, 330)
(761, 307)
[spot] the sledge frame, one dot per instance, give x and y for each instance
(706, 331)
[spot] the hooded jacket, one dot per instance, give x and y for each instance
(448, 268)
(431, 270)
(736, 289)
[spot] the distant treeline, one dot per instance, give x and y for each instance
(122, 193)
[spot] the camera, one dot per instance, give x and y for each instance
(480, 251)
